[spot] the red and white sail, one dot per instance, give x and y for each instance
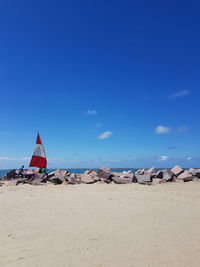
(39, 157)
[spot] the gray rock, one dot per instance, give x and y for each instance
(141, 171)
(105, 181)
(106, 169)
(143, 178)
(186, 176)
(60, 174)
(195, 172)
(9, 175)
(103, 174)
(86, 179)
(37, 178)
(167, 175)
(72, 180)
(121, 180)
(177, 170)
(151, 171)
(128, 175)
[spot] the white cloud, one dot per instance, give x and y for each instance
(91, 112)
(105, 135)
(181, 93)
(189, 158)
(162, 130)
(163, 158)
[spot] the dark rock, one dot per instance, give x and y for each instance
(143, 178)
(186, 176)
(167, 175)
(121, 180)
(159, 175)
(177, 170)
(56, 180)
(9, 175)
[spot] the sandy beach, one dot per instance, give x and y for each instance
(100, 225)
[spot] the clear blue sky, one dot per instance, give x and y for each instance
(112, 83)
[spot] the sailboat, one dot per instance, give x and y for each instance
(39, 157)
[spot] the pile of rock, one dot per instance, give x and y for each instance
(104, 175)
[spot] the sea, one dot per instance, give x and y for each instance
(78, 170)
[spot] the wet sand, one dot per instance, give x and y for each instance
(100, 225)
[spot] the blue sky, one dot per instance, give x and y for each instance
(104, 82)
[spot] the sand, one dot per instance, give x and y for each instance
(100, 225)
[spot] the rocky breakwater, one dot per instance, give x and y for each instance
(104, 176)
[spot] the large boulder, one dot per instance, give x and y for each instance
(104, 173)
(143, 178)
(195, 172)
(167, 175)
(152, 172)
(37, 179)
(177, 170)
(121, 180)
(9, 175)
(186, 176)
(60, 174)
(127, 174)
(72, 179)
(87, 179)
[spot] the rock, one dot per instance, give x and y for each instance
(56, 180)
(51, 174)
(89, 171)
(37, 178)
(159, 175)
(177, 170)
(72, 179)
(167, 175)
(195, 172)
(105, 180)
(121, 180)
(141, 171)
(128, 175)
(186, 176)
(103, 174)
(87, 179)
(9, 175)
(106, 169)
(158, 181)
(116, 174)
(60, 174)
(143, 178)
(151, 171)
(196, 179)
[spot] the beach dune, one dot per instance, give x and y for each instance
(100, 225)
